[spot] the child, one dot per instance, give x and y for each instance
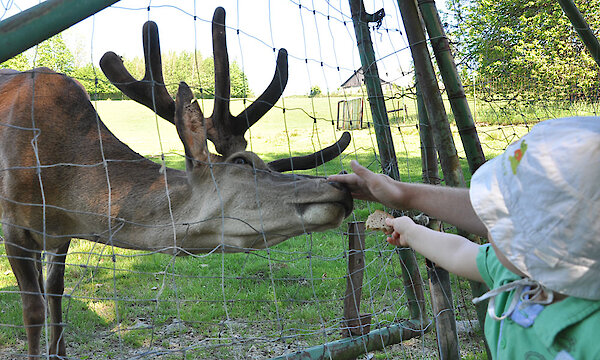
(538, 204)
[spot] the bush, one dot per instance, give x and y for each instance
(314, 91)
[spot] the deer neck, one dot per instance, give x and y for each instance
(164, 210)
(146, 206)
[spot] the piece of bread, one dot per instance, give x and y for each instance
(376, 221)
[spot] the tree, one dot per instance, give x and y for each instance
(314, 91)
(178, 67)
(204, 76)
(526, 47)
(239, 82)
(18, 62)
(95, 82)
(53, 53)
(197, 72)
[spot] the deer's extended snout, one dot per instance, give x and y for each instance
(333, 197)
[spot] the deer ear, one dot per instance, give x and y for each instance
(190, 124)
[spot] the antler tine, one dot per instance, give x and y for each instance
(221, 62)
(221, 123)
(313, 160)
(237, 125)
(268, 98)
(151, 90)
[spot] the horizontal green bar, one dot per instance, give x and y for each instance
(352, 347)
(34, 25)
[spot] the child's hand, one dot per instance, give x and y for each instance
(450, 251)
(401, 234)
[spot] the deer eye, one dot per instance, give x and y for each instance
(240, 161)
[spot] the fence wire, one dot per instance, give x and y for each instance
(253, 304)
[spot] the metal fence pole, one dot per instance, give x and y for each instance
(34, 25)
(361, 19)
(387, 154)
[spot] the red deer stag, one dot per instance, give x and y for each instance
(63, 174)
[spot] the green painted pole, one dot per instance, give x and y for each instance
(361, 19)
(439, 278)
(350, 348)
(454, 87)
(387, 154)
(428, 85)
(582, 27)
(429, 159)
(453, 176)
(34, 25)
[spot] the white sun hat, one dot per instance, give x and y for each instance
(540, 201)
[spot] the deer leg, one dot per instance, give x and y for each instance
(23, 259)
(55, 286)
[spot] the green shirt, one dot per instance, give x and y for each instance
(567, 329)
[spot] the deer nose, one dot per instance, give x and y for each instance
(337, 185)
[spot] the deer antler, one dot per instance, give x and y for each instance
(222, 128)
(313, 160)
(151, 90)
(231, 129)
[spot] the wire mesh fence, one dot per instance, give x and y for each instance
(225, 299)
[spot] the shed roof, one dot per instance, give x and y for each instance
(357, 79)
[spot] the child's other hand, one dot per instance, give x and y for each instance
(450, 251)
(401, 234)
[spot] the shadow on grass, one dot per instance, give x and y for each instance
(82, 323)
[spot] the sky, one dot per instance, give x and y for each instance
(318, 35)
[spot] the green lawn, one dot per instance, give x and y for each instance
(236, 305)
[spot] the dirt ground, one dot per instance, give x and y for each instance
(182, 342)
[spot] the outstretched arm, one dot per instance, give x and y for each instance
(454, 253)
(451, 205)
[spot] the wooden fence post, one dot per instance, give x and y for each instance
(355, 323)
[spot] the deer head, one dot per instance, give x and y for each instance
(234, 172)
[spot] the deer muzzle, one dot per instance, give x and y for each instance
(319, 210)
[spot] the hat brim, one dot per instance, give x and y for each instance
(541, 213)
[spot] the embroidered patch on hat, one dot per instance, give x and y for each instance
(515, 160)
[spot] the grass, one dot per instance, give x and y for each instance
(300, 125)
(236, 305)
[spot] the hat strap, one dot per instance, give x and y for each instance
(528, 291)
